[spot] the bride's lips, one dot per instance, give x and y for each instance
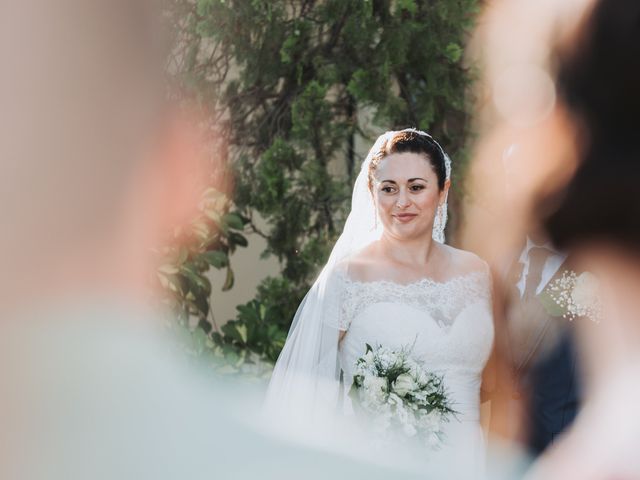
(405, 217)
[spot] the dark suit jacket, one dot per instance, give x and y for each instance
(552, 386)
(545, 360)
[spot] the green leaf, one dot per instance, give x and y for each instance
(197, 279)
(248, 313)
(203, 7)
(242, 331)
(170, 282)
(200, 340)
(216, 258)
(237, 239)
(288, 49)
(408, 5)
(453, 52)
(228, 283)
(233, 220)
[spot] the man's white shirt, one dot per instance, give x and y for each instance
(551, 265)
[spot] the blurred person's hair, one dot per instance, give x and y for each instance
(599, 80)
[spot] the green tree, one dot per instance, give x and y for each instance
(286, 82)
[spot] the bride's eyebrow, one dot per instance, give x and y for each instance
(408, 181)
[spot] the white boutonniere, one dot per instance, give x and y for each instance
(572, 296)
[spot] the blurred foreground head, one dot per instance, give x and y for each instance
(92, 163)
(527, 141)
(598, 80)
(596, 215)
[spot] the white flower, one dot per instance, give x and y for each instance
(404, 384)
(376, 388)
(421, 376)
(368, 358)
(412, 365)
(585, 291)
(386, 359)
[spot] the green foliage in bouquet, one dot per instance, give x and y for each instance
(288, 83)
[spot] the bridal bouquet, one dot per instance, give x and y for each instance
(400, 396)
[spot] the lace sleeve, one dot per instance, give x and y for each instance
(345, 311)
(346, 306)
(337, 313)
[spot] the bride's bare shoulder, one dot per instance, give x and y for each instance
(464, 262)
(362, 265)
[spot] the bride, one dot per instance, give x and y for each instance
(391, 281)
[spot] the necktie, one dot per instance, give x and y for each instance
(537, 258)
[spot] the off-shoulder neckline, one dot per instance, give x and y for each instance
(425, 281)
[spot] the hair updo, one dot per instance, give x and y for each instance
(409, 140)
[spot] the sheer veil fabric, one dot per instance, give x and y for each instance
(305, 385)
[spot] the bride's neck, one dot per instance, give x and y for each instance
(410, 252)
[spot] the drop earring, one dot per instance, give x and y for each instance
(375, 217)
(439, 224)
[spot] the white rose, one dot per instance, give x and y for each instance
(422, 376)
(394, 399)
(386, 359)
(404, 384)
(412, 365)
(585, 291)
(376, 386)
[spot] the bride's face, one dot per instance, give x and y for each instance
(406, 194)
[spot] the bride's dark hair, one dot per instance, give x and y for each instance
(598, 80)
(410, 140)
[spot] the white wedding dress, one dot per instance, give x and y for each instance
(450, 327)
(449, 324)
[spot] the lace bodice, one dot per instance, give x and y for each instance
(442, 300)
(448, 325)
